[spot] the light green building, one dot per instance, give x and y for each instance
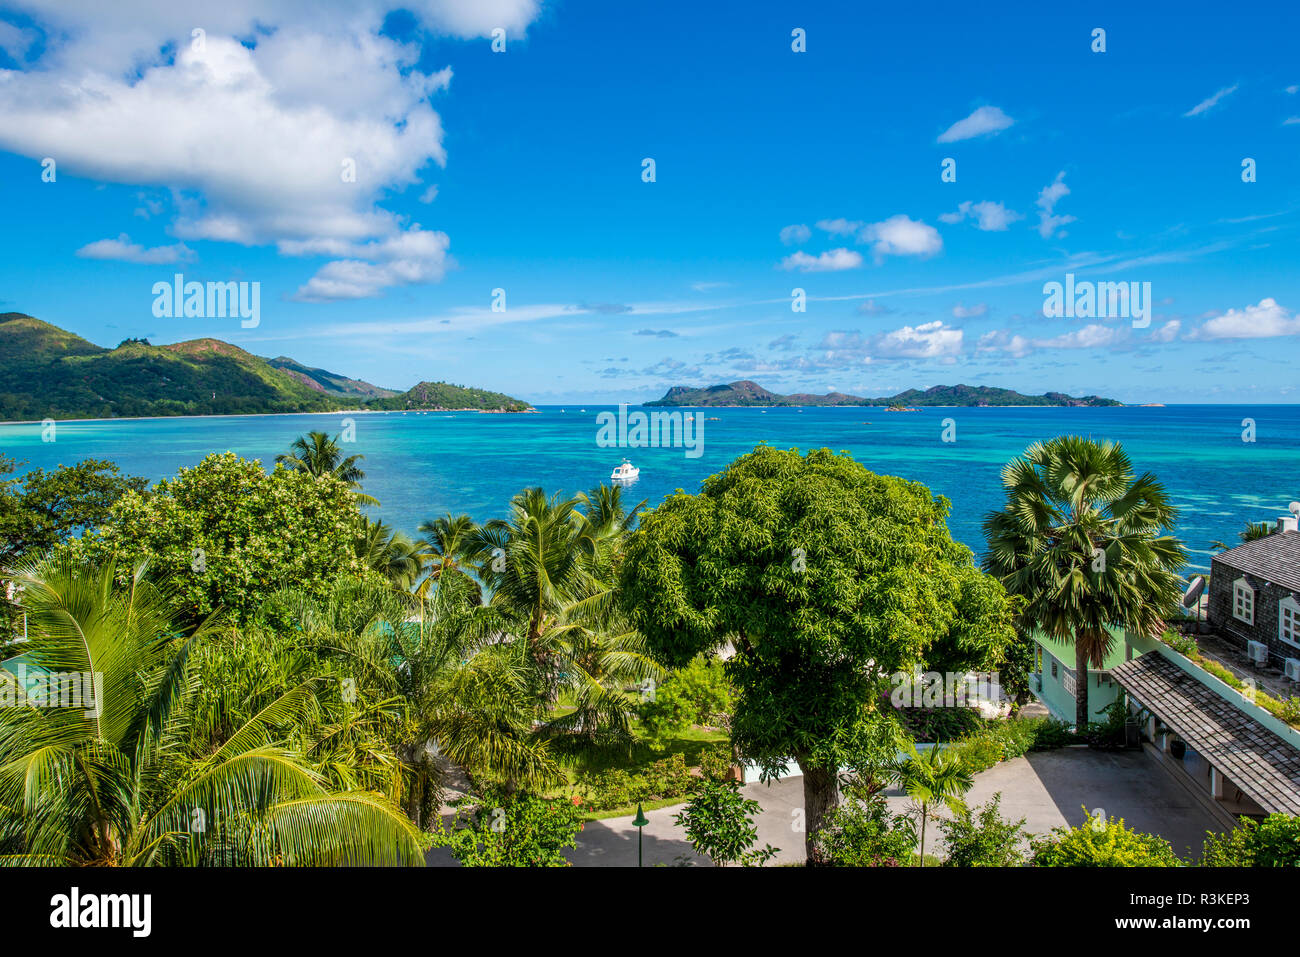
(1053, 681)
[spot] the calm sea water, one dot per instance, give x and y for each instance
(420, 465)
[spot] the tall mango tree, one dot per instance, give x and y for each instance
(1087, 544)
(826, 579)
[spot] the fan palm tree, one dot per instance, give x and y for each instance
(317, 454)
(932, 780)
(1085, 543)
(389, 552)
(117, 784)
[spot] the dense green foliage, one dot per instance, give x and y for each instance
(1098, 843)
(696, 694)
(171, 762)
(1086, 544)
(826, 578)
(863, 833)
(1272, 842)
(520, 830)
(229, 535)
(719, 823)
(984, 838)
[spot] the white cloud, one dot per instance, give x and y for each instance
(1093, 336)
(1266, 320)
(962, 311)
(1293, 88)
(835, 260)
(795, 234)
(1166, 333)
(1291, 121)
(901, 236)
(1210, 102)
(252, 140)
(930, 340)
(988, 216)
(985, 121)
(1048, 196)
(411, 256)
(840, 226)
(123, 250)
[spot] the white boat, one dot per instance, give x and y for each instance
(626, 472)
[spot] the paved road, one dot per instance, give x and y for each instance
(1047, 788)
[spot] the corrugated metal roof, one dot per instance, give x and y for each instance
(1274, 557)
(1253, 757)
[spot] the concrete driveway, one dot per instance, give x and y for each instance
(1048, 788)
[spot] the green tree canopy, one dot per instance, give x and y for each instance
(826, 578)
(228, 535)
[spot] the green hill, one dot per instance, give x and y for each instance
(443, 396)
(747, 393)
(47, 372)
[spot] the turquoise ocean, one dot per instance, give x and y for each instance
(420, 465)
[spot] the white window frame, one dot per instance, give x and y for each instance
(1243, 601)
(1288, 633)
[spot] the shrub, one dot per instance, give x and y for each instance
(715, 762)
(719, 822)
(1095, 843)
(984, 839)
(1273, 842)
(520, 831)
(696, 694)
(863, 833)
(1185, 645)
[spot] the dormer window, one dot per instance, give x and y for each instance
(1288, 621)
(1243, 601)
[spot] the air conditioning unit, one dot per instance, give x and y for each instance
(1258, 652)
(1292, 668)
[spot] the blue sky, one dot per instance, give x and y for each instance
(774, 170)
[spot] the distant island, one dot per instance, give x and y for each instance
(748, 393)
(48, 372)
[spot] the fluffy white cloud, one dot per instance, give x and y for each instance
(987, 216)
(795, 234)
(411, 256)
(256, 125)
(834, 260)
(1048, 196)
(1266, 320)
(985, 121)
(1210, 102)
(123, 250)
(930, 340)
(902, 236)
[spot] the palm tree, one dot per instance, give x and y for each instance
(1253, 531)
(389, 552)
(1085, 543)
(533, 564)
(117, 783)
(319, 455)
(932, 780)
(449, 541)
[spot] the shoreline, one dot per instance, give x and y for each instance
(262, 415)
